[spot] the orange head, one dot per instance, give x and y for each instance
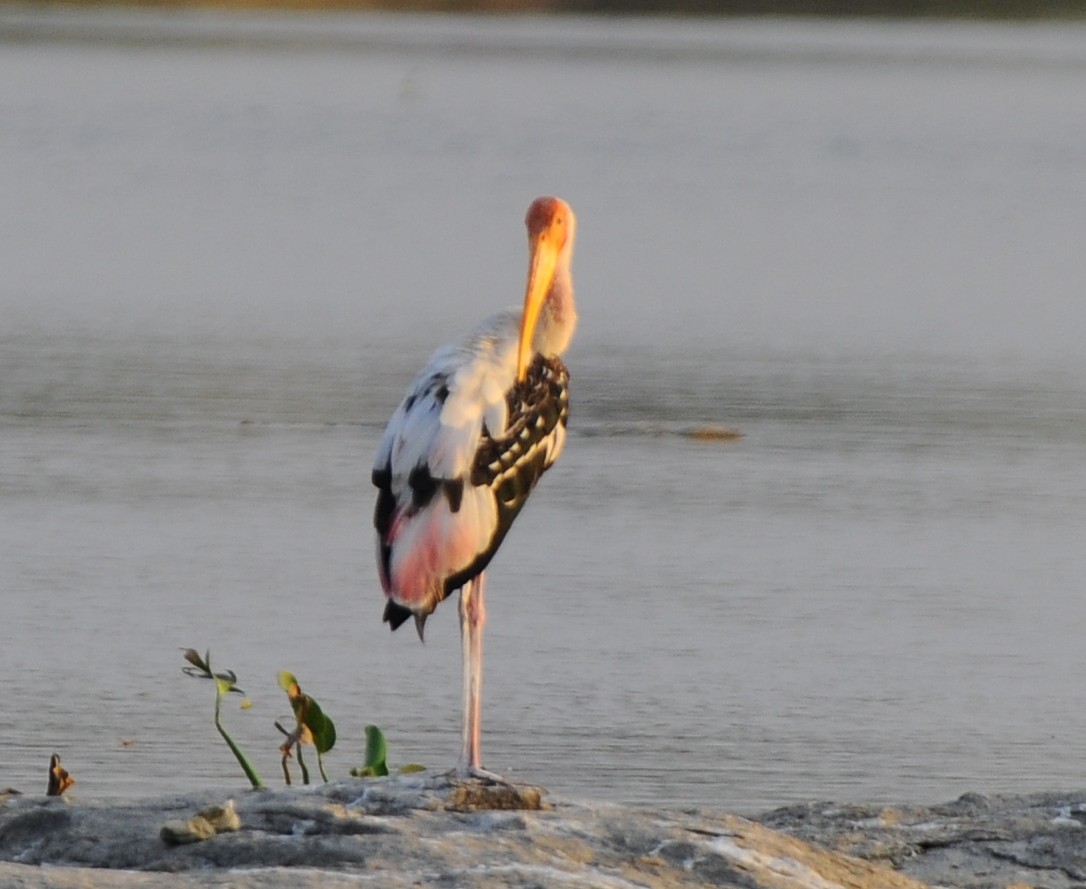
(550, 223)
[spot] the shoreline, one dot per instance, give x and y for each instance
(890, 10)
(429, 830)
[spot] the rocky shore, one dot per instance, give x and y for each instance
(427, 830)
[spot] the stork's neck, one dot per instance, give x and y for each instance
(558, 319)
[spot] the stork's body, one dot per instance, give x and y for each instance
(479, 425)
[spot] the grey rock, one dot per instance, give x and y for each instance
(974, 842)
(430, 831)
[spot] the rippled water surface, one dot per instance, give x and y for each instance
(227, 242)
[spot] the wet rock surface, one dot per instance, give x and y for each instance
(428, 830)
(978, 842)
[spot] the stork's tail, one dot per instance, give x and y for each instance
(396, 614)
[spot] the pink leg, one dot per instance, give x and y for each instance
(472, 620)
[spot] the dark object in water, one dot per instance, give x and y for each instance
(59, 779)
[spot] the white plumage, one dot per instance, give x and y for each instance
(439, 425)
(477, 372)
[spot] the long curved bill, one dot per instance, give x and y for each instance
(543, 257)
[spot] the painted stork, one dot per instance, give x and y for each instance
(477, 428)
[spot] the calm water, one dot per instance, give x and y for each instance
(227, 242)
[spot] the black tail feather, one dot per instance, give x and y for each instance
(396, 614)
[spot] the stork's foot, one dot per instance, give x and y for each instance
(467, 772)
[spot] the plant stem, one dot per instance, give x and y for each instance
(243, 760)
(301, 764)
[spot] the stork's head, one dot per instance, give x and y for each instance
(551, 227)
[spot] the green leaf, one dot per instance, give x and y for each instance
(410, 768)
(320, 730)
(193, 657)
(376, 752)
(200, 667)
(224, 682)
(320, 726)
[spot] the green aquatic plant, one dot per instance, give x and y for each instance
(225, 683)
(312, 726)
(376, 762)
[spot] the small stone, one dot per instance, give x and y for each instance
(191, 830)
(222, 818)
